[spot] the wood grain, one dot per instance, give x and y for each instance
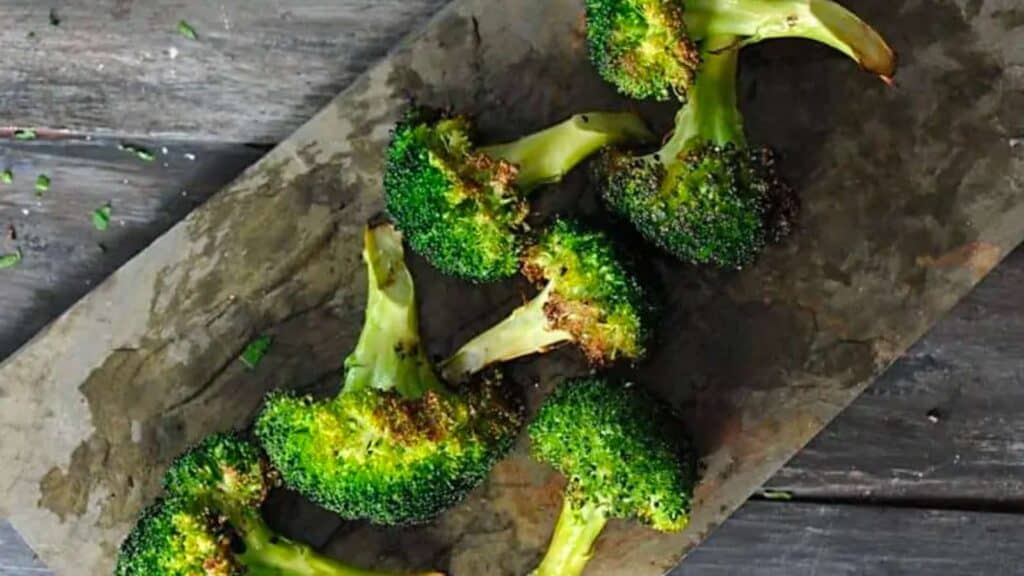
(15, 558)
(943, 426)
(259, 69)
(779, 539)
(890, 242)
(64, 255)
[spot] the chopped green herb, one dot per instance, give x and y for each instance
(54, 18)
(101, 217)
(186, 30)
(42, 183)
(25, 134)
(9, 260)
(7, 177)
(255, 351)
(142, 153)
(777, 495)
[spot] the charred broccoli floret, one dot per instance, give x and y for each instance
(395, 446)
(209, 523)
(589, 296)
(463, 207)
(649, 48)
(623, 455)
(705, 196)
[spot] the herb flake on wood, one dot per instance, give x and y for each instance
(255, 351)
(187, 31)
(10, 260)
(101, 217)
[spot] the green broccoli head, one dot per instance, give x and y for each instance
(623, 455)
(713, 204)
(457, 207)
(223, 470)
(592, 294)
(395, 446)
(705, 197)
(642, 47)
(590, 297)
(389, 459)
(172, 539)
(648, 48)
(210, 523)
(464, 208)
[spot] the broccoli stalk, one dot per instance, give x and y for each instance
(527, 330)
(395, 446)
(464, 207)
(548, 155)
(589, 297)
(623, 456)
(711, 115)
(823, 21)
(269, 554)
(388, 355)
(572, 543)
(210, 522)
(651, 48)
(705, 196)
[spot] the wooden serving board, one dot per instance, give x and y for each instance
(911, 195)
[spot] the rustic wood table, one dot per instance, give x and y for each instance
(923, 474)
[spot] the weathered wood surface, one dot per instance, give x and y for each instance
(260, 69)
(15, 558)
(779, 539)
(891, 240)
(64, 255)
(943, 426)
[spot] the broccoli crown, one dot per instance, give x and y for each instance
(224, 470)
(715, 204)
(386, 458)
(594, 294)
(620, 449)
(457, 207)
(642, 47)
(172, 538)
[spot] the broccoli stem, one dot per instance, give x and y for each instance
(710, 113)
(572, 543)
(389, 354)
(548, 155)
(525, 331)
(820, 20)
(267, 554)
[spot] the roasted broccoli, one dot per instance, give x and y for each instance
(209, 523)
(463, 207)
(623, 456)
(395, 446)
(590, 296)
(649, 48)
(705, 196)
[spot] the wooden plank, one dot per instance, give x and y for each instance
(15, 558)
(943, 425)
(760, 360)
(259, 69)
(790, 539)
(64, 256)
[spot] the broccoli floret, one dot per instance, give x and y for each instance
(589, 296)
(649, 48)
(463, 207)
(622, 453)
(705, 196)
(395, 446)
(209, 523)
